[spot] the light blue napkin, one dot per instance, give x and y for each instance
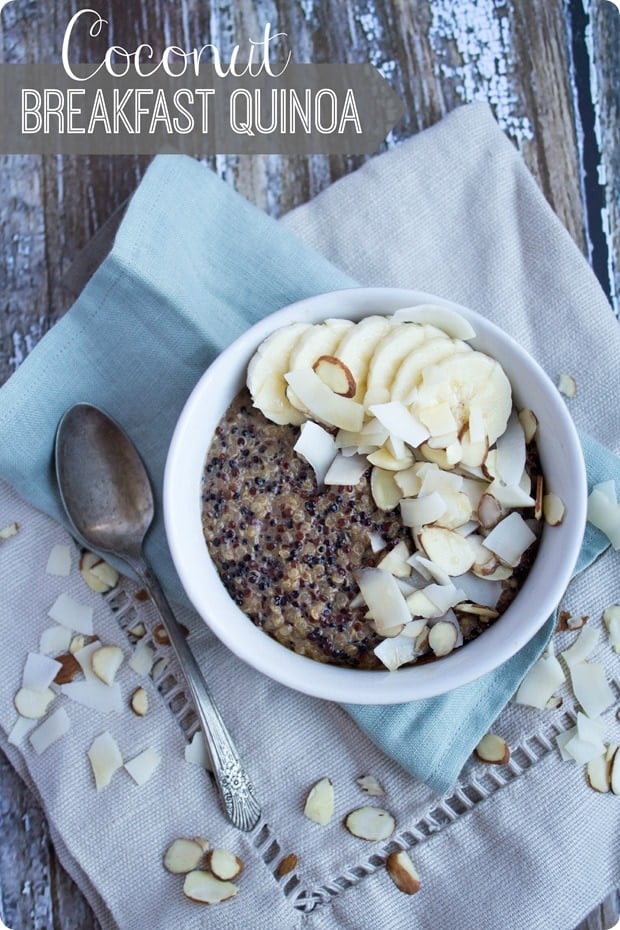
(194, 265)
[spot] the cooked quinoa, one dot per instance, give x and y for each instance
(286, 550)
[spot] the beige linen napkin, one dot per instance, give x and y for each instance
(528, 845)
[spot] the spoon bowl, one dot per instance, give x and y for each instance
(105, 489)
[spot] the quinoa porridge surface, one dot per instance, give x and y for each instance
(286, 550)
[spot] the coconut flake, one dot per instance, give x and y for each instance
(70, 613)
(590, 687)
(444, 596)
(396, 561)
(611, 619)
(105, 759)
(84, 657)
(322, 403)
(143, 766)
(604, 514)
(54, 640)
(142, 657)
(197, 753)
(21, 728)
(562, 739)
(511, 495)
(511, 451)
(442, 638)
(317, 447)
(585, 643)
(553, 509)
(510, 539)
(540, 683)
(59, 561)
(420, 511)
(396, 651)
(49, 732)
(377, 542)
(39, 672)
(400, 422)
(106, 699)
(346, 470)
(480, 590)
(385, 602)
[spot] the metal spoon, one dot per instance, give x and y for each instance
(107, 495)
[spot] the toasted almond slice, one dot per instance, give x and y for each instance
(554, 702)
(436, 456)
(538, 504)
(529, 422)
(496, 572)
(139, 702)
(59, 561)
(478, 610)
(421, 605)
(143, 766)
(137, 631)
(224, 864)
(473, 454)
(493, 749)
(370, 823)
(98, 575)
(370, 786)
(553, 509)
(84, 657)
(567, 385)
(319, 806)
(70, 667)
(317, 447)
(402, 871)
(614, 772)
(105, 759)
(183, 856)
(77, 643)
(386, 493)
(6, 532)
(490, 511)
(50, 731)
(33, 704)
(336, 375)
(442, 638)
(205, 888)
(597, 772)
(286, 865)
(447, 549)
(106, 661)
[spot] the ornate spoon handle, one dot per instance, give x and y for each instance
(235, 788)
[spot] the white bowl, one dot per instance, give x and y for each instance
(562, 464)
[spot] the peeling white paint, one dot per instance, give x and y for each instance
(480, 32)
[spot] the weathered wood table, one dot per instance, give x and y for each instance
(549, 68)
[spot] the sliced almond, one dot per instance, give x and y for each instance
(161, 636)
(286, 865)
(493, 749)
(105, 759)
(402, 871)
(319, 806)
(370, 823)
(384, 458)
(98, 575)
(529, 422)
(567, 385)
(70, 668)
(336, 375)
(437, 456)
(137, 631)
(139, 702)
(386, 493)
(614, 773)
(442, 638)
(6, 532)
(105, 663)
(597, 772)
(567, 621)
(450, 551)
(538, 504)
(205, 888)
(370, 786)
(183, 856)
(33, 704)
(611, 619)
(224, 864)
(490, 511)
(478, 610)
(553, 509)
(77, 643)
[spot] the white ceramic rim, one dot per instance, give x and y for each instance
(546, 581)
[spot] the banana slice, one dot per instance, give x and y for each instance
(358, 347)
(466, 380)
(266, 372)
(321, 339)
(389, 354)
(409, 375)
